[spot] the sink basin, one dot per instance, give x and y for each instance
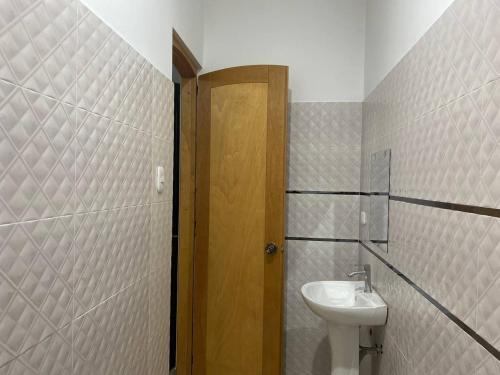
(344, 302)
(345, 307)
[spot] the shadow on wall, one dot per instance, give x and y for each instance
(320, 364)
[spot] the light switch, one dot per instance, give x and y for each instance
(160, 179)
(363, 218)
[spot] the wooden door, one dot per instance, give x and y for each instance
(240, 190)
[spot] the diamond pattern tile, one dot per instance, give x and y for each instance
(392, 361)
(137, 108)
(448, 242)
(481, 19)
(159, 312)
(161, 236)
(488, 365)
(36, 285)
(487, 100)
(488, 308)
(163, 109)
(112, 252)
(324, 146)
(38, 46)
(36, 171)
(113, 164)
(441, 158)
(78, 109)
(328, 216)
(448, 350)
(51, 356)
(113, 337)
(102, 65)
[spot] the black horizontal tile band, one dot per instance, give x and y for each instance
(332, 192)
(325, 192)
(478, 210)
(480, 340)
(380, 241)
(321, 239)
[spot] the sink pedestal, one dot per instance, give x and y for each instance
(344, 344)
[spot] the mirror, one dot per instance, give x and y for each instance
(380, 172)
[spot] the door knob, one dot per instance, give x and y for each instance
(271, 248)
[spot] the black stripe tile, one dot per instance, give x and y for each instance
(480, 340)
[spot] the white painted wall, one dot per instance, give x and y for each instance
(337, 50)
(147, 26)
(322, 41)
(393, 27)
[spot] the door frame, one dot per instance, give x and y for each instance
(188, 67)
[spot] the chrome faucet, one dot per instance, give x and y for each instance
(367, 272)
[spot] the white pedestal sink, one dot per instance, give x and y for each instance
(345, 307)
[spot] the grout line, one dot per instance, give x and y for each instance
(46, 338)
(472, 333)
(326, 192)
(478, 210)
(322, 239)
(20, 222)
(114, 295)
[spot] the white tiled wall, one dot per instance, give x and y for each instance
(84, 245)
(323, 216)
(324, 155)
(324, 146)
(439, 113)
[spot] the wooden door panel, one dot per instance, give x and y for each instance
(240, 159)
(237, 224)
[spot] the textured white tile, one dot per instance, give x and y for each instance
(487, 100)
(327, 216)
(38, 45)
(113, 164)
(137, 108)
(159, 324)
(112, 252)
(161, 236)
(447, 350)
(51, 356)
(437, 243)
(481, 20)
(324, 146)
(488, 308)
(392, 360)
(36, 167)
(36, 285)
(440, 160)
(97, 161)
(113, 337)
(163, 109)
(102, 63)
(488, 365)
